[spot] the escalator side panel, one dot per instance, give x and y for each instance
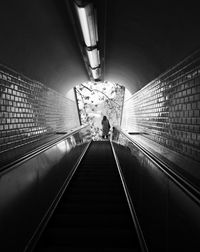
(27, 190)
(168, 217)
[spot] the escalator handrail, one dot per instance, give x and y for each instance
(184, 184)
(39, 150)
(43, 223)
(138, 228)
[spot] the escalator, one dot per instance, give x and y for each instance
(93, 213)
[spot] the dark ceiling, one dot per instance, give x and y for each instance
(139, 40)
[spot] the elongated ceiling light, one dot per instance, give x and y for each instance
(88, 24)
(93, 56)
(95, 73)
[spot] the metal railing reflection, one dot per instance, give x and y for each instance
(30, 186)
(168, 209)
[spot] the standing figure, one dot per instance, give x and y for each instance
(105, 127)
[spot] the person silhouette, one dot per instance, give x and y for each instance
(105, 127)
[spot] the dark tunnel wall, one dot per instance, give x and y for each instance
(144, 39)
(138, 40)
(37, 40)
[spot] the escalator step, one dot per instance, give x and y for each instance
(92, 209)
(91, 199)
(93, 249)
(93, 214)
(92, 220)
(83, 237)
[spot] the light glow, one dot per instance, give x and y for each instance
(88, 26)
(95, 73)
(62, 146)
(93, 57)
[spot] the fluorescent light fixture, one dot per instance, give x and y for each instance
(95, 73)
(88, 24)
(93, 56)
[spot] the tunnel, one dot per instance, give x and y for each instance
(64, 185)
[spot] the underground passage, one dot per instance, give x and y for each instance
(99, 126)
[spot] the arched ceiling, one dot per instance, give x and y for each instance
(145, 38)
(140, 40)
